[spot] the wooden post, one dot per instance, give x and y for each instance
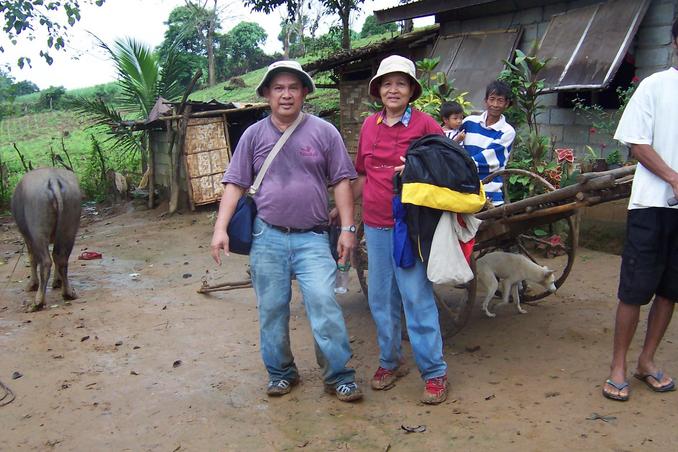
(172, 135)
(177, 149)
(151, 173)
(182, 156)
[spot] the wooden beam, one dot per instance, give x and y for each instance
(561, 194)
(424, 8)
(137, 125)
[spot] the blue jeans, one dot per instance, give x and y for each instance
(274, 258)
(392, 288)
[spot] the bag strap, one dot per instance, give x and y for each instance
(271, 155)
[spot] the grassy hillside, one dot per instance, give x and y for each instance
(37, 135)
(321, 101)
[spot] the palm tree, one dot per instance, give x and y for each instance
(143, 78)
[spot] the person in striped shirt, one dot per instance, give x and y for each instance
(489, 138)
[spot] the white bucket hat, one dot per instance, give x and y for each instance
(389, 65)
(285, 66)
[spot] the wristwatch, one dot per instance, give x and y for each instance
(348, 228)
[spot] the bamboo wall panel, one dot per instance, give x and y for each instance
(206, 156)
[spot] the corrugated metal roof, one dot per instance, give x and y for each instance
(473, 60)
(573, 43)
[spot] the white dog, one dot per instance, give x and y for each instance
(511, 269)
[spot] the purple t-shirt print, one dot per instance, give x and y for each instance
(294, 191)
(308, 151)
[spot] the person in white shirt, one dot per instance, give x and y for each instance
(649, 266)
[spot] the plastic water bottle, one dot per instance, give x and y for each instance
(341, 283)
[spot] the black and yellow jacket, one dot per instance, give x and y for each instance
(439, 176)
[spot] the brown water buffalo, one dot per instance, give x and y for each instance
(46, 208)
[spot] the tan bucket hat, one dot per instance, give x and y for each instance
(285, 66)
(389, 65)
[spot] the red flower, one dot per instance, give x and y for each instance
(554, 240)
(565, 154)
(603, 145)
(592, 130)
(554, 175)
(635, 80)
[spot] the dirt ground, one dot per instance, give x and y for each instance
(142, 362)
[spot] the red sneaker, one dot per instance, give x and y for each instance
(385, 378)
(435, 391)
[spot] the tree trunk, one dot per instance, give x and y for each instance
(408, 25)
(300, 28)
(211, 66)
(345, 30)
(286, 40)
(144, 156)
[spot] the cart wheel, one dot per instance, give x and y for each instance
(360, 258)
(552, 245)
(558, 257)
(455, 304)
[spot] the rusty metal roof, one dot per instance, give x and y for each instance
(573, 43)
(472, 60)
(166, 111)
(214, 104)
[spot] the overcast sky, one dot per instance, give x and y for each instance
(84, 64)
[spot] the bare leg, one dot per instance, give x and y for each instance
(624, 328)
(657, 322)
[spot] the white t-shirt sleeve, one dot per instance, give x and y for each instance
(636, 125)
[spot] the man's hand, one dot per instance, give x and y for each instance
(674, 185)
(460, 136)
(219, 242)
(346, 244)
(229, 201)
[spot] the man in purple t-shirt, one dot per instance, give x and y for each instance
(290, 235)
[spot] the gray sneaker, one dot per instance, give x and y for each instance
(280, 387)
(346, 392)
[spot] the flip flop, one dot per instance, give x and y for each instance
(670, 386)
(89, 255)
(618, 387)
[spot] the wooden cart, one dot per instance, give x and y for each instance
(543, 227)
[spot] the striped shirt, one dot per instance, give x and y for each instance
(490, 147)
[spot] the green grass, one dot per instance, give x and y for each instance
(34, 134)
